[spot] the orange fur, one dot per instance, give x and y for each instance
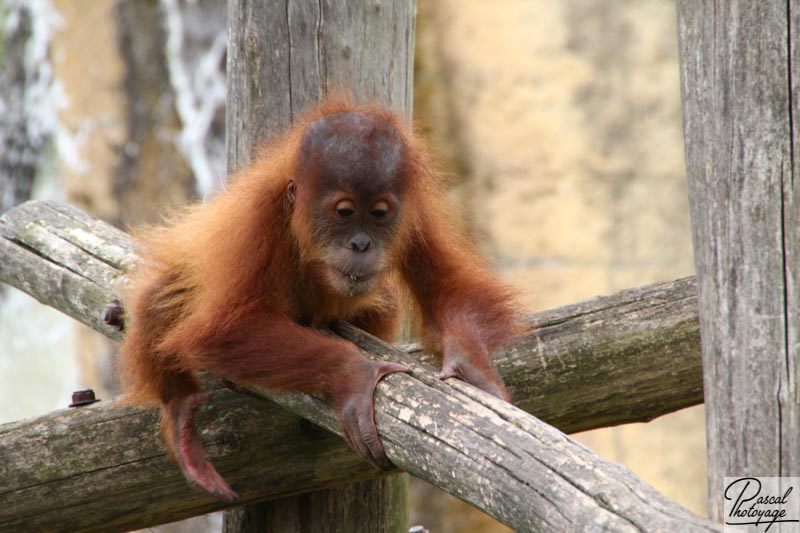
(224, 287)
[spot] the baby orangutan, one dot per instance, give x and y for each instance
(338, 220)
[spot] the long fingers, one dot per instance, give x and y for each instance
(357, 415)
(485, 379)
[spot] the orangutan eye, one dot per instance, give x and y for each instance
(379, 210)
(345, 208)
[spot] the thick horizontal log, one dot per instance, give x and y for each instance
(630, 357)
(102, 467)
(65, 259)
(480, 449)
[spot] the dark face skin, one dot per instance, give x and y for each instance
(350, 178)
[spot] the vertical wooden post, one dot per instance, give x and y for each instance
(740, 70)
(284, 56)
(366, 506)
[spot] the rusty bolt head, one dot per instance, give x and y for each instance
(113, 314)
(83, 397)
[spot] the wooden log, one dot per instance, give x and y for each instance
(495, 456)
(314, 48)
(102, 467)
(362, 503)
(611, 360)
(629, 357)
(739, 65)
(476, 447)
(65, 259)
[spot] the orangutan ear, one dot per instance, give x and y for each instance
(291, 191)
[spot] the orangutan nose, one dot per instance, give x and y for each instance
(360, 243)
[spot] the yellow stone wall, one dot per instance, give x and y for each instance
(564, 119)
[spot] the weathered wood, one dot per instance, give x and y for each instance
(312, 47)
(424, 422)
(102, 467)
(630, 357)
(739, 65)
(362, 503)
(487, 452)
(65, 259)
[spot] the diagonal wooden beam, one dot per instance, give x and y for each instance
(489, 453)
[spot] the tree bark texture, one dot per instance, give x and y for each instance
(362, 507)
(739, 72)
(284, 56)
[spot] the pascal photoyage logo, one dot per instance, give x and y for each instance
(762, 504)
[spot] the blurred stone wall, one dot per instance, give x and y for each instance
(88, 84)
(563, 119)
